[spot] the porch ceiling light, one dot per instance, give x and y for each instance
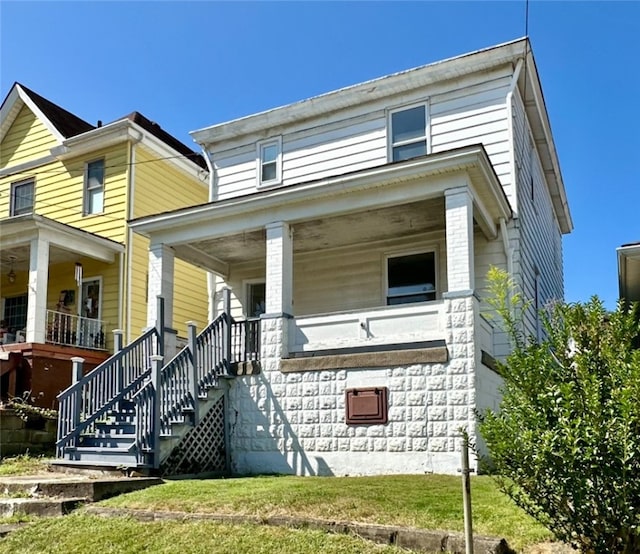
(12, 274)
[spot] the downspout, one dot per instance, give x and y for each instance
(130, 197)
(211, 277)
(508, 250)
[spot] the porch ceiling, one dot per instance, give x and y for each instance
(328, 232)
(360, 206)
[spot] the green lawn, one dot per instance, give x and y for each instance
(423, 501)
(83, 533)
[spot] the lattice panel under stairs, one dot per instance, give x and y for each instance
(202, 449)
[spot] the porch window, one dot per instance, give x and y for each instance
(256, 299)
(94, 188)
(22, 197)
(15, 313)
(411, 278)
(270, 162)
(408, 133)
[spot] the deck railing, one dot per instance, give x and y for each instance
(162, 394)
(173, 390)
(91, 396)
(74, 330)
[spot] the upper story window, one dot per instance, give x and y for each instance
(94, 187)
(408, 133)
(411, 278)
(270, 162)
(22, 197)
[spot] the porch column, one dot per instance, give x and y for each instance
(38, 283)
(459, 233)
(279, 273)
(161, 262)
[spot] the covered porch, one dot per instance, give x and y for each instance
(354, 263)
(57, 284)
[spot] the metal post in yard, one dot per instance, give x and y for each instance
(466, 495)
(193, 370)
(156, 370)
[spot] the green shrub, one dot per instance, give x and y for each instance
(566, 440)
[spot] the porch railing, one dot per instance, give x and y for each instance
(162, 395)
(74, 330)
(375, 326)
(91, 396)
(173, 390)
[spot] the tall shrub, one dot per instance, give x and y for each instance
(566, 440)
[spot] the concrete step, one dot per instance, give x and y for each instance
(89, 486)
(42, 507)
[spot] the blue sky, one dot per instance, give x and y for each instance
(188, 65)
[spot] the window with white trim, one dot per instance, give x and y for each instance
(411, 278)
(22, 197)
(407, 133)
(94, 187)
(270, 162)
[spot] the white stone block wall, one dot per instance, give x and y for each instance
(295, 422)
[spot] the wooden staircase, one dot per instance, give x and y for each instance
(133, 410)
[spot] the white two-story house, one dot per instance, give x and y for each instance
(359, 226)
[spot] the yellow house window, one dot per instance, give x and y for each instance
(22, 197)
(94, 188)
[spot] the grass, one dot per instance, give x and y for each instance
(23, 464)
(84, 533)
(423, 501)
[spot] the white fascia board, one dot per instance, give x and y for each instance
(554, 176)
(38, 113)
(392, 184)
(354, 95)
(10, 110)
(95, 139)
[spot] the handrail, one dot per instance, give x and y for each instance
(101, 389)
(133, 386)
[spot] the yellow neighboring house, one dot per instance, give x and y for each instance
(72, 271)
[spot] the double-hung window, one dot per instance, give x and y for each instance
(269, 162)
(22, 197)
(411, 278)
(94, 187)
(408, 133)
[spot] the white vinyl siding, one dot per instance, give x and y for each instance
(540, 245)
(357, 138)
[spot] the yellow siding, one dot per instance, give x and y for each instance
(59, 194)
(27, 139)
(160, 187)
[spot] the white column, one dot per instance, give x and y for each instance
(279, 274)
(37, 299)
(161, 262)
(459, 233)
